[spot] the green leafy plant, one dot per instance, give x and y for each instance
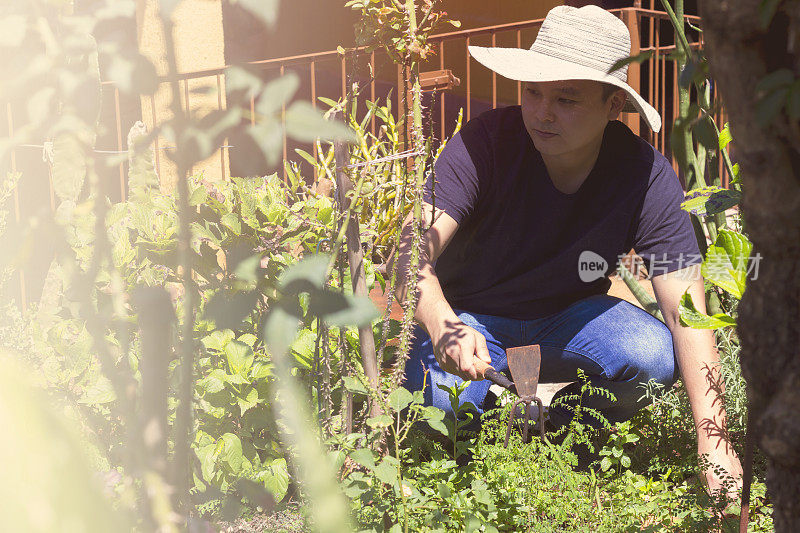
(614, 455)
(400, 499)
(463, 415)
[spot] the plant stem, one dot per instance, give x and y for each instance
(417, 141)
(648, 303)
(677, 22)
(355, 257)
(183, 419)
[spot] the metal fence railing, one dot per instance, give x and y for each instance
(325, 74)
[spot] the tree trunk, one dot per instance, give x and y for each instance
(742, 52)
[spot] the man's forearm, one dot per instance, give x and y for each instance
(431, 305)
(432, 308)
(699, 364)
(698, 360)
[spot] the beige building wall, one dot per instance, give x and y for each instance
(200, 45)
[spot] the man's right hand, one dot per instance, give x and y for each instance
(456, 346)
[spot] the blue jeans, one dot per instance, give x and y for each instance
(618, 345)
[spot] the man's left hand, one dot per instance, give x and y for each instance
(722, 471)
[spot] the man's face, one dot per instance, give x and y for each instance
(565, 117)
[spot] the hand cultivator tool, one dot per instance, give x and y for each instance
(524, 363)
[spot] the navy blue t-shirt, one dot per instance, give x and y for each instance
(524, 249)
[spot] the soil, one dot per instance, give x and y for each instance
(287, 520)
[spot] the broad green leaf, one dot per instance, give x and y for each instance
(769, 106)
(249, 339)
(418, 397)
(268, 138)
(380, 421)
(793, 103)
(727, 260)
(679, 128)
(132, 72)
(228, 309)
(305, 124)
(239, 357)
(735, 169)
(435, 419)
(710, 200)
(232, 222)
(359, 310)
(265, 10)
(102, 391)
(242, 83)
(303, 347)
(353, 385)
(693, 72)
(364, 457)
(280, 331)
(207, 455)
(639, 58)
(277, 93)
(275, 478)
(725, 137)
(218, 339)
(248, 269)
(356, 484)
(324, 210)
(387, 471)
(305, 275)
(766, 11)
(261, 370)
(202, 138)
(326, 302)
(399, 399)
(69, 166)
(198, 196)
(213, 383)
(693, 318)
(248, 400)
(328, 101)
(236, 379)
(705, 133)
(308, 157)
(229, 451)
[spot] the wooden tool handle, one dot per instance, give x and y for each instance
(487, 371)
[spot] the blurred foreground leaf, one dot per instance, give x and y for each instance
(47, 481)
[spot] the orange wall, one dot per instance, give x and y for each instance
(306, 26)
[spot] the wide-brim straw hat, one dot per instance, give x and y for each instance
(573, 44)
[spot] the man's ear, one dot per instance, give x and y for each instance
(617, 100)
